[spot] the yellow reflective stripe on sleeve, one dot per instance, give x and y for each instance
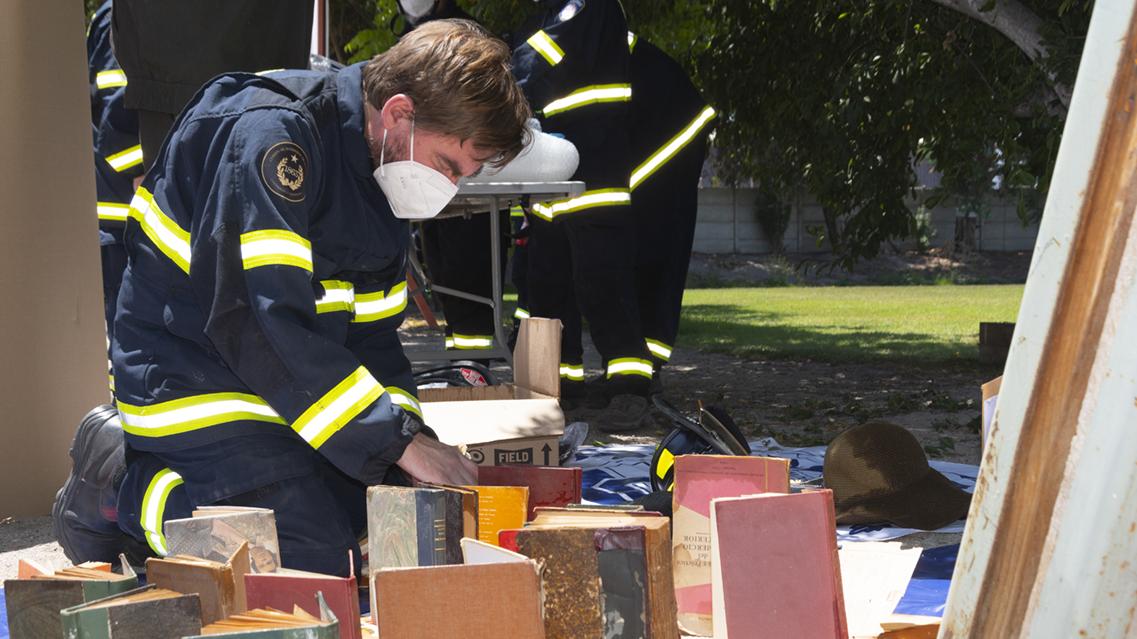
(659, 349)
(110, 79)
(632, 39)
(543, 44)
(170, 238)
(574, 372)
(402, 398)
(673, 146)
(275, 247)
(370, 307)
(586, 200)
(594, 94)
(338, 296)
(516, 211)
(629, 366)
(666, 461)
(337, 407)
(521, 313)
(126, 159)
(193, 413)
(472, 342)
(154, 508)
(113, 211)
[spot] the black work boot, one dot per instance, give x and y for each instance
(84, 517)
(625, 403)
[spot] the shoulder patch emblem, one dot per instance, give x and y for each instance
(283, 169)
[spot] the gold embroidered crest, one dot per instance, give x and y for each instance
(283, 169)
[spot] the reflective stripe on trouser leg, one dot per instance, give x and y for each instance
(572, 372)
(461, 342)
(658, 349)
(630, 366)
(154, 508)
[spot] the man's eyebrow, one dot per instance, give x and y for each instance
(450, 164)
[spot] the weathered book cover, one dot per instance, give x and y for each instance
(469, 500)
(33, 601)
(657, 551)
(406, 527)
(500, 508)
(548, 485)
(288, 589)
(622, 565)
(144, 613)
(268, 623)
(215, 533)
(595, 579)
(775, 570)
(698, 480)
(487, 601)
(221, 586)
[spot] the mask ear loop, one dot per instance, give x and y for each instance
(382, 150)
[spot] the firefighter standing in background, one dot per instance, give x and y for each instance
(118, 156)
(573, 67)
(169, 48)
(670, 122)
(457, 250)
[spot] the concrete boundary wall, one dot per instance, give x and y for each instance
(727, 224)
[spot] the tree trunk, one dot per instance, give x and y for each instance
(1020, 25)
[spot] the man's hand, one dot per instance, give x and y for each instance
(428, 460)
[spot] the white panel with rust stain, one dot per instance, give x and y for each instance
(1082, 134)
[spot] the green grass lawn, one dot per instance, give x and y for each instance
(914, 324)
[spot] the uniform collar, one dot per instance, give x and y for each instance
(349, 95)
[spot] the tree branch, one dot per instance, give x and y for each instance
(1020, 25)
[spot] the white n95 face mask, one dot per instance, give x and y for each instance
(415, 191)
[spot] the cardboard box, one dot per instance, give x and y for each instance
(508, 424)
(990, 399)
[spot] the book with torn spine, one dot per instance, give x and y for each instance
(149, 612)
(775, 571)
(215, 532)
(483, 601)
(657, 554)
(268, 623)
(288, 589)
(35, 598)
(594, 579)
(698, 480)
(221, 586)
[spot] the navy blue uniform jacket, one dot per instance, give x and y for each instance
(265, 280)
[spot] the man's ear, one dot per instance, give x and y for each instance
(397, 108)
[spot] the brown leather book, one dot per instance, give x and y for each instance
(221, 586)
(487, 601)
(657, 553)
(35, 598)
(774, 567)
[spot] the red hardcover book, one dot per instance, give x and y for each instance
(287, 588)
(548, 485)
(698, 480)
(774, 569)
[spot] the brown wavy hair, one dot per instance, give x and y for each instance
(458, 75)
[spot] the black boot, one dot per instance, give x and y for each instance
(84, 517)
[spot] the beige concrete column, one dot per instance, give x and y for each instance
(52, 345)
